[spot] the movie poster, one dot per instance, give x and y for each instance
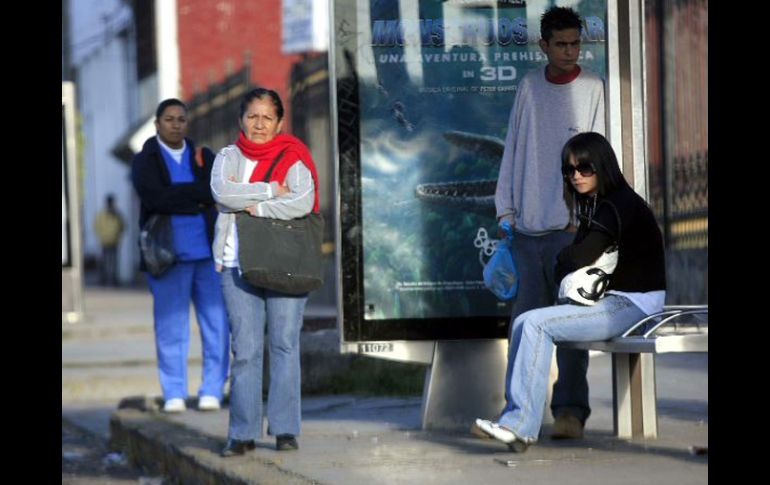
(436, 82)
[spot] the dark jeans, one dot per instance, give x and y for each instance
(535, 258)
(108, 270)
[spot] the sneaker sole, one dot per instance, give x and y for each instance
(174, 410)
(518, 446)
(479, 433)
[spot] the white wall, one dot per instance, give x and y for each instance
(106, 86)
(103, 51)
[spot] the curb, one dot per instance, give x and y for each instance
(171, 449)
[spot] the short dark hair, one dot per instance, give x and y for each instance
(259, 93)
(593, 148)
(559, 18)
(165, 104)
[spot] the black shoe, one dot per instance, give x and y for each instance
(237, 447)
(285, 442)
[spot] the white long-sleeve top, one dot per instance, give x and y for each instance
(235, 196)
(544, 116)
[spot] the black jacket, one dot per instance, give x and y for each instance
(157, 194)
(641, 260)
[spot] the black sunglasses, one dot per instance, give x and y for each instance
(586, 169)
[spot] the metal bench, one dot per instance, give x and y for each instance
(676, 329)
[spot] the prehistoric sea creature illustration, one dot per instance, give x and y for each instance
(473, 195)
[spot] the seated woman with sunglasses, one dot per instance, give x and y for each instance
(608, 211)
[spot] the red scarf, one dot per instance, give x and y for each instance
(265, 153)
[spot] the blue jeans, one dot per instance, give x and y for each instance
(529, 355)
(535, 260)
(199, 281)
(249, 309)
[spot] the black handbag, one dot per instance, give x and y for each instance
(156, 242)
(283, 256)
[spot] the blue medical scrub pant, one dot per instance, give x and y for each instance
(172, 292)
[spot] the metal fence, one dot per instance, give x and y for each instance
(677, 107)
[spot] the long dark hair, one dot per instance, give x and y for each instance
(591, 148)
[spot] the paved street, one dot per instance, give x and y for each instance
(108, 356)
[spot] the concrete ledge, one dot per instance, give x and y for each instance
(163, 447)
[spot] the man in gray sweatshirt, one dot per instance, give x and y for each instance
(551, 106)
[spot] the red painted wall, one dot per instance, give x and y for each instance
(217, 36)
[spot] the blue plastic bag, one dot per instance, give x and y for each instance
(500, 275)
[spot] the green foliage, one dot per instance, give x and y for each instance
(374, 377)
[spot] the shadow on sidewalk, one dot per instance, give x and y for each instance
(547, 450)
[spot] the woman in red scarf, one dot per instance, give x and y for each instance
(237, 184)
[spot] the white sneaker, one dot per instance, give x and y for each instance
(208, 403)
(496, 431)
(515, 444)
(175, 405)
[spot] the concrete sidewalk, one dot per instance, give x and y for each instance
(353, 440)
(347, 439)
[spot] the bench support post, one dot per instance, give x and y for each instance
(649, 397)
(621, 395)
(464, 382)
(633, 395)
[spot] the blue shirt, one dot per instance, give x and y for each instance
(190, 238)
